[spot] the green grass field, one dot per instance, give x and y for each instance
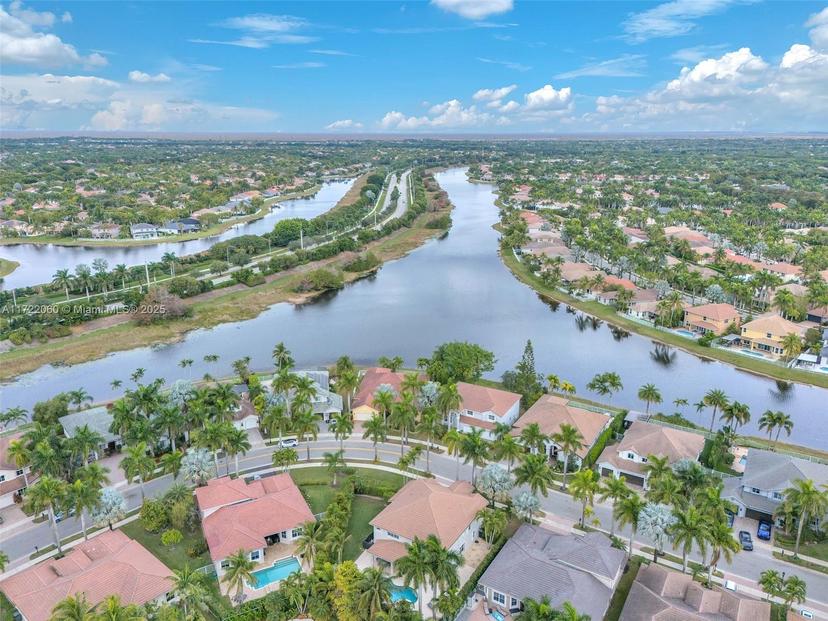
(363, 511)
(174, 557)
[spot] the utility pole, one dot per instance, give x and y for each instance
(146, 271)
(301, 238)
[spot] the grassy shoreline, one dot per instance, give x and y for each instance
(7, 266)
(230, 306)
(216, 229)
(744, 363)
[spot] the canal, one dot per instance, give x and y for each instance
(455, 288)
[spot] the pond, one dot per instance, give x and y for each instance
(39, 262)
(455, 288)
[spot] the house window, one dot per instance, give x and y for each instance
(777, 496)
(393, 536)
(500, 598)
(297, 532)
(756, 490)
(225, 564)
(491, 417)
(255, 555)
(469, 413)
(283, 534)
(768, 335)
(513, 603)
(644, 460)
(19, 472)
(2, 477)
(630, 456)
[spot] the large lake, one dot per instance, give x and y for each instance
(38, 262)
(452, 289)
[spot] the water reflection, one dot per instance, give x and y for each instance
(663, 355)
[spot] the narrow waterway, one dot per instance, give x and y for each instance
(452, 289)
(39, 262)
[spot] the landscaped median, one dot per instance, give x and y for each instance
(746, 363)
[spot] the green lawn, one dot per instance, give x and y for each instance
(320, 476)
(174, 557)
(6, 608)
(318, 496)
(619, 598)
(808, 547)
(363, 511)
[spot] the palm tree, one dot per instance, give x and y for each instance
(276, 421)
(376, 430)
(74, 608)
(657, 467)
(111, 609)
(448, 400)
(347, 382)
(614, 489)
(492, 523)
(236, 443)
(415, 568)
(333, 462)
(77, 397)
(383, 401)
(508, 448)
(649, 394)
(584, 486)
(776, 421)
(444, 564)
(20, 454)
(722, 544)
(63, 279)
(736, 414)
(717, 400)
(169, 258)
(170, 420)
(689, 529)
(191, 590)
(794, 589)
(137, 464)
(475, 450)
(84, 277)
(120, 272)
(808, 502)
(791, 345)
(535, 472)
(375, 592)
(771, 582)
(626, 512)
(48, 494)
(94, 474)
(212, 437)
(84, 442)
(305, 424)
(431, 426)
(238, 573)
(171, 463)
(667, 490)
(343, 426)
(13, 415)
(82, 497)
(453, 440)
(282, 358)
(533, 438)
(403, 417)
(570, 441)
(311, 541)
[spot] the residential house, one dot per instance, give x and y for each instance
(325, 401)
(659, 594)
(16, 228)
(573, 272)
(178, 227)
(108, 564)
(98, 419)
(12, 479)
(715, 318)
(758, 493)
(629, 456)
(644, 304)
(100, 230)
(550, 412)
(482, 407)
(424, 507)
(537, 563)
(244, 415)
(254, 517)
(766, 332)
(143, 230)
(362, 405)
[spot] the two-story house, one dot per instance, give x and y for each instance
(715, 318)
(13, 479)
(550, 412)
(482, 407)
(372, 380)
(424, 507)
(629, 457)
(758, 493)
(537, 563)
(254, 517)
(765, 333)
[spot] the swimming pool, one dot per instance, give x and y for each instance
(496, 615)
(403, 593)
(686, 333)
(277, 572)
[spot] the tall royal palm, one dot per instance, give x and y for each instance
(82, 497)
(627, 512)
(415, 568)
(63, 279)
(137, 464)
(474, 450)
(376, 430)
(649, 394)
(736, 414)
(508, 448)
(343, 426)
(689, 529)
(807, 501)
(535, 472)
(239, 572)
(717, 400)
(48, 494)
(375, 592)
(776, 421)
(306, 426)
(614, 489)
(570, 441)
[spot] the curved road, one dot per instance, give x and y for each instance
(561, 511)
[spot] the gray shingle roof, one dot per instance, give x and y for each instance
(98, 419)
(768, 470)
(566, 568)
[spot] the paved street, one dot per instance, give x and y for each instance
(745, 568)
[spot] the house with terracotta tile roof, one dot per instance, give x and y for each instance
(12, 479)
(424, 507)
(362, 405)
(253, 516)
(659, 594)
(108, 564)
(715, 318)
(629, 457)
(481, 407)
(766, 332)
(551, 411)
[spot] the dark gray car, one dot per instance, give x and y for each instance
(745, 540)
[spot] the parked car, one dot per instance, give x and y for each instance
(289, 443)
(764, 530)
(745, 540)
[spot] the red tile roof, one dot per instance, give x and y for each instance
(247, 513)
(484, 399)
(109, 564)
(372, 379)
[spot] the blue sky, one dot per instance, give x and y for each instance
(445, 66)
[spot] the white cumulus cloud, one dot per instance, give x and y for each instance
(547, 98)
(493, 94)
(474, 9)
(143, 78)
(344, 124)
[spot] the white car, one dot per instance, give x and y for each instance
(289, 443)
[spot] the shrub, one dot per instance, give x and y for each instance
(440, 222)
(171, 537)
(197, 549)
(154, 515)
(158, 305)
(20, 336)
(187, 286)
(178, 514)
(320, 280)
(362, 263)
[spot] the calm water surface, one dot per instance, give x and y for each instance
(451, 289)
(38, 263)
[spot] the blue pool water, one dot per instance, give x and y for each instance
(686, 333)
(403, 592)
(496, 615)
(280, 570)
